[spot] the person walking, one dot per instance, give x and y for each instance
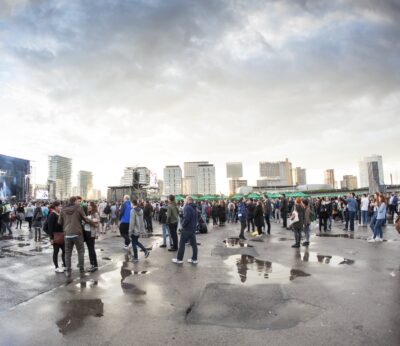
(56, 235)
(364, 210)
(148, 216)
(259, 217)
(37, 222)
(29, 215)
(351, 210)
(136, 228)
(322, 214)
(380, 220)
(20, 215)
(250, 215)
(124, 218)
(162, 218)
(267, 214)
(90, 234)
(172, 222)
(284, 210)
(297, 219)
(71, 218)
(189, 224)
(307, 222)
(242, 215)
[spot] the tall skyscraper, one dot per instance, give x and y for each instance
(130, 174)
(172, 180)
(190, 181)
(85, 183)
(60, 172)
(234, 170)
(235, 184)
(374, 179)
(329, 178)
(363, 166)
(206, 179)
(349, 182)
(299, 176)
(275, 174)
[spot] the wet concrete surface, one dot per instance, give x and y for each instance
(337, 291)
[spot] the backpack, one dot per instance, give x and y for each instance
(46, 228)
(107, 209)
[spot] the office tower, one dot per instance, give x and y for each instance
(235, 184)
(349, 182)
(135, 175)
(60, 172)
(275, 174)
(374, 179)
(363, 166)
(329, 178)
(172, 180)
(206, 179)
(190, 182)
(85, 183)
(234, 170)
(160, 186)
(299, 176)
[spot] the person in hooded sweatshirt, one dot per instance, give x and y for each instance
(189, 224)
(136, 228)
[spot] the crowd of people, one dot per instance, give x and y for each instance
(78, 222)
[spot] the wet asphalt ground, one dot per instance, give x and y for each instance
(340, 290)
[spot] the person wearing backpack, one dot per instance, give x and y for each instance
(297, 219)
(56, 235)
(37, 222)
(322, 214)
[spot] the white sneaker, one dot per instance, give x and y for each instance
(371, 240)
(175, 260)
(191, 261)
(60, 270)
(126, 247)
(130, 246)
(379, 239)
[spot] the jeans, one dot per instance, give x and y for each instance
(297, 235)
(90, 243)
(124, 231)
(322, 221)
(149, 223)
(364, 217)
(135, 244)
(164, 235)
(56, 249)
(231, 216)
(243, 226)
(284, 218)
(173, 228)
(378, 228)
(80, 248)
(277, 212)
(185, 236)
(373, 221)
(5, 226)
(38, 233)
(329, 223)
(268, 223)
(350, 217)
(307, 233)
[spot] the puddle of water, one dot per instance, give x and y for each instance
(132, 289)
(5, 252)
(23, 244)
(235, 243)
(88, 284)
(76, 311)
(254, 271)
(314, 257)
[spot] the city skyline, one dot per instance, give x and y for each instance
(114, 84)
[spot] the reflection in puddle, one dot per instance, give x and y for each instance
(254, 271)
(235, 243)
(76, 311)
(107, 258)
(87, 284)
(314, 257)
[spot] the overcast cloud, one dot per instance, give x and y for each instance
(116, 83)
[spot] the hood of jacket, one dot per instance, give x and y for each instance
(71, 208)
(138, 210)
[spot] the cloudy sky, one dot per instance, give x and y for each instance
(112, 83)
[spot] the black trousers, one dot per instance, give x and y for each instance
(242, 228)
(250, 221)
(323, 220)
(173, 227)
(284, 218)
(56, 249)
(124, 231)
(90, 244)
(268, 223)
(149, 223)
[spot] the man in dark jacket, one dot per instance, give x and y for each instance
(70, 220)
(242, 215)
(148, 216)
(250, 215)
(172, 222)
(284, 210)
(189, 224)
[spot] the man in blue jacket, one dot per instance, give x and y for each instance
(124, 218)
(242, 214)
(189, 224)
(351, 212)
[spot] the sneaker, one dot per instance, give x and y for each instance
(172, 250)
(295, 245)
(372, 240)
(130, 246)
(92, 269)
(60, 270)
(163, 245)
(379, 239)
(192, 261)
(147, 254)
(135, 260)
(306, 243)
(126, 247)
(175, 260)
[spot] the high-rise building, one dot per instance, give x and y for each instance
(131, 173)
(234, 184)
(160, 186)
(349, 182)
(190, 181)
(299, 176)
(60, 172)
(275, 174)
(374, 179)
(206, 179)
(329, 178)
(85, 183)
(363, 166)
(234, 170)
(172, 180)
